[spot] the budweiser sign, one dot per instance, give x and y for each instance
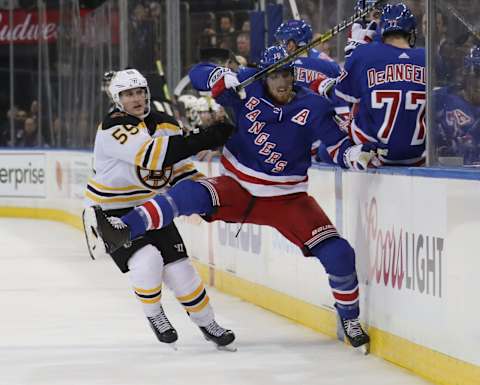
(27, 28)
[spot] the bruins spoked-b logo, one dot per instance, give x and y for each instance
(155, 179)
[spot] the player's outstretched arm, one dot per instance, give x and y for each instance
(209, 138)
(220, 81)
(133, 144)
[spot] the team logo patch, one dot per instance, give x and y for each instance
(301, 117)
(154, 179)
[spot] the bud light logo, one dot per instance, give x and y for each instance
(249, 239)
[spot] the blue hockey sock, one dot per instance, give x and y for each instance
(185, 198)
(338, 259)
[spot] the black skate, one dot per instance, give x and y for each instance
(163, 329)
(219, 336)
(354, 332)
(113, 232)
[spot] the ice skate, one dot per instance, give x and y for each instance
(355, 334)
(222, 338)
(113, 232)
(163, 329)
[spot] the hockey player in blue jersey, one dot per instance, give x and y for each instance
(264, 176)
(457, 112)
(385, 82)
(294, 34)
(314, 66)
(364, 31)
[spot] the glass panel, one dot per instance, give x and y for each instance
(455, 131)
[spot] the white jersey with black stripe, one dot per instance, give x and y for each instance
(129, 159)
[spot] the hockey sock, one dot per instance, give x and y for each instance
(146, 272)
(182, 278)
(185, 198)
(338, 258)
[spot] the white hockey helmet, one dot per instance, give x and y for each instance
(127, 80)
(202, 105)
(188, 101)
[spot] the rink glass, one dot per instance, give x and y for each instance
(59, 83)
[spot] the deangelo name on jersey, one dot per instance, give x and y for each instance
(396, 73)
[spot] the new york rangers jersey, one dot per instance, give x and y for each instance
(386, 84)
(457, 125)
(269, 154)
(129, 156)
(311, 67)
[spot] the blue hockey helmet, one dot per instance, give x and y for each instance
(397, 18)
(273, 54)
(297, 30)
(472, 61)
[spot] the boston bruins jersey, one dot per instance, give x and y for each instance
(130, 160)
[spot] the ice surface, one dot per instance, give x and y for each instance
(68, 320)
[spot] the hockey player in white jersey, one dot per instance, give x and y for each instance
(137, 154)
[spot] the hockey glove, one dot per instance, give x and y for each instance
(362, 156)
(323, 86)
(360, 34)
(223, 79)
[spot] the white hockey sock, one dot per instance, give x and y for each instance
(184, 281)
(146, 270)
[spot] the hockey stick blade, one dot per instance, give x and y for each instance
(321, 39)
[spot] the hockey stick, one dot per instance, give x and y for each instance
(467, 25)
(321, 39)
(294, 8)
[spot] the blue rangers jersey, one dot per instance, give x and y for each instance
(386, 84)
(309, 68)
(269, 154)
(457, 121)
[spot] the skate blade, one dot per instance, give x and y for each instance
(227, 348)
(172, 345)
(364, 349)
(95, 244)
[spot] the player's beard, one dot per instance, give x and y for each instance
(281, 94)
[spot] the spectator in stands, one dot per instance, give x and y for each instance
(208, 36)
(246, 26)
(243, 45)
(28, 137)
(226, 25)
(155, 11)
(226, 33)
(142, 35)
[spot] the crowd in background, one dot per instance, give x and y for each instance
(228, 28)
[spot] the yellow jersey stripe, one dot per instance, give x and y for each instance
(147, 291)
(168, 127)
(151, 300)
(185, 168)
(189, 297)
(107, 188)
(141, 153)
(199, 307)
(159, 142)
(98, 199)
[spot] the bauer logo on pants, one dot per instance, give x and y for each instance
(22, 174)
